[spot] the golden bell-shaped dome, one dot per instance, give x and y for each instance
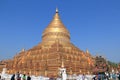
(56, 30)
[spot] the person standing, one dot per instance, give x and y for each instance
(95, 78)
(119, 76)
(24, 77)
(18, 76)
(13, 77)
(0, 77)
(83, 77)
(28, 77)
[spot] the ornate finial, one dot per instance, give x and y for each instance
(62, 63)
(56, 10)
(87, 51)
(23, 50)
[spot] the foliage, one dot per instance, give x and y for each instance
(113, 64)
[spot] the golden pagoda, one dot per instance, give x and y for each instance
(53, 52)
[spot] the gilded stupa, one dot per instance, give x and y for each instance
(55, 51)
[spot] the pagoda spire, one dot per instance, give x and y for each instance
(56, 30)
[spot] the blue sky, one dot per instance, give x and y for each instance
(93, 25)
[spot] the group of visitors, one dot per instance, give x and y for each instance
(19, 76)
(107, 76)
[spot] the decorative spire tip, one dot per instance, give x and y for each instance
(56, 10)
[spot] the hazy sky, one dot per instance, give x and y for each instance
(93, 25)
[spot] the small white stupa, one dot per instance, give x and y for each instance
(63, 71)
(3, 74)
